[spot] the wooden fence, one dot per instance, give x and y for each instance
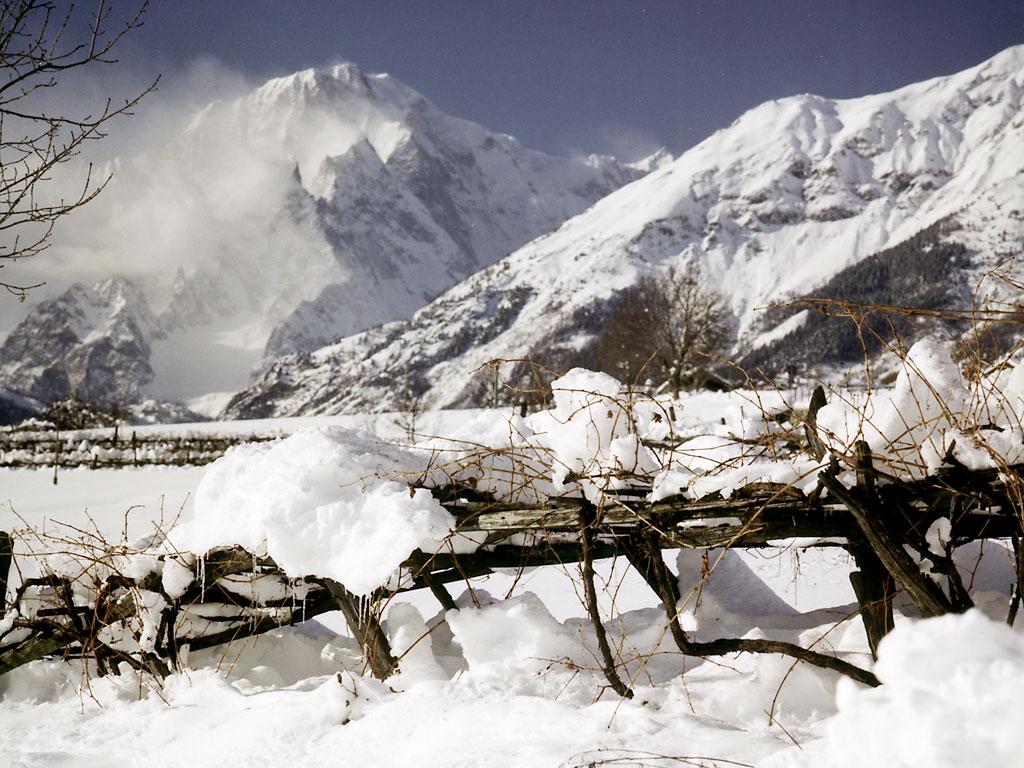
(881, 520)
(114, 448)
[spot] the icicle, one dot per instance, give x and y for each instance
(201, 562)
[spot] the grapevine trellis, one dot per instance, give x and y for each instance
(880, 519)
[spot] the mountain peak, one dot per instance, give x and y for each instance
(344, 73)
(89, 342)
(339, 86)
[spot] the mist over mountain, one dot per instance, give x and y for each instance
(787, 200)
(316, 206)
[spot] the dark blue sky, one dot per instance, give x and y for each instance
(594, 75)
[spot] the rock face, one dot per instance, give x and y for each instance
(317, 206)
(89, 343)
(791, 196)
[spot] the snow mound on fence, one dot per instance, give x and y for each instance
(950, 698)
(339, 504)
(329, 502)
(592, 433)
(931, 412)
(602, 437)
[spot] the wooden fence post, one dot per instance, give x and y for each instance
(6, 557)
(863, 505)
(366, 629)
(874, 588)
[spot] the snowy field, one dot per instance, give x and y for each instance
(512, 677)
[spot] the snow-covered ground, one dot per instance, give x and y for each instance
(518, 700)
(511, 678)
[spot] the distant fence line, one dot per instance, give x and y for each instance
(114, 448)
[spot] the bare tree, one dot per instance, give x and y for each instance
(42, 43)
(409, 408)
(667, 327)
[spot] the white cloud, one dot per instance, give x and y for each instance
(179, 196)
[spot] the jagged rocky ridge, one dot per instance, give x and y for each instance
(319, 205)
(773, 207)
(90, 342)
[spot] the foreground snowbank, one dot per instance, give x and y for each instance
(505, 682)
(950, 699)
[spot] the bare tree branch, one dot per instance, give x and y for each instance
(38, 48)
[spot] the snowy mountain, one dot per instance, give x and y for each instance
(404, 200)
(775, 206)
(89, 341)
(316, 206)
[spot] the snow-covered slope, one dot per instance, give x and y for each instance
(773, 206)
(316, 206)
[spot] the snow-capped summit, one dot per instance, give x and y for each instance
(776, 205)
(318, 205)
(395, 200)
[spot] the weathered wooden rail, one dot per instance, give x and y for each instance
(878, 518)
